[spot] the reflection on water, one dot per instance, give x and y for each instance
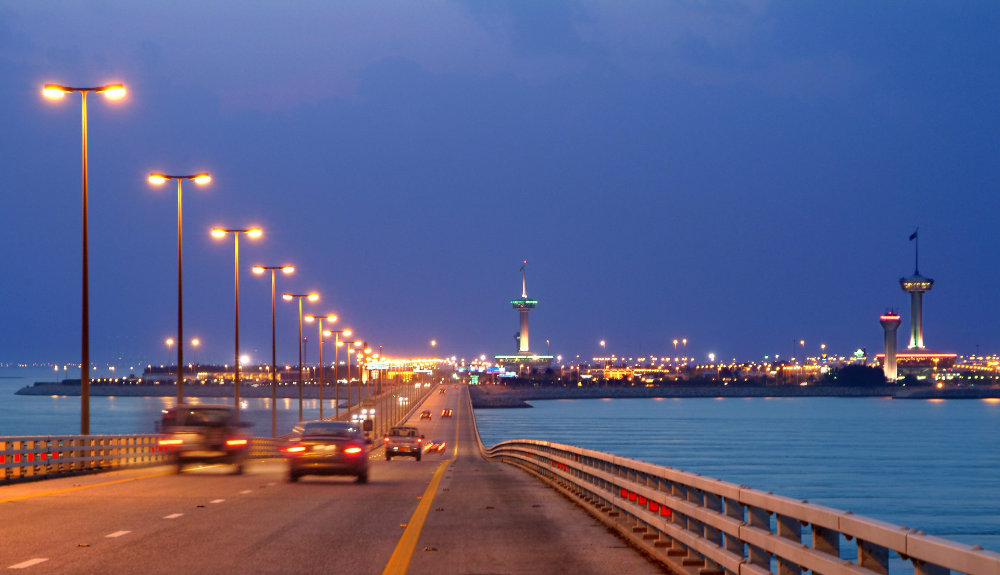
(930, 465)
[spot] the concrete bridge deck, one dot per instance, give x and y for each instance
(452, 512)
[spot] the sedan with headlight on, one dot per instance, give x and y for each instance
(327, 448)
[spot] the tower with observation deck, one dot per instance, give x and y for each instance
(524, 355)
(917, 360)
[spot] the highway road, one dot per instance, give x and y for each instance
(452, 512)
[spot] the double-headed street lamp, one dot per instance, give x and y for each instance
(158, 180)
(298, 296)
(274, 359)
(252, 233)
(330, 318)
(336, 367)
(111, 92)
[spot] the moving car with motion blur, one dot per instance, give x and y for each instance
(204, 434)
(327, 448)
(403, 441)
(425, 414)
(447, 413)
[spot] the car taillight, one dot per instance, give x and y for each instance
(232, 442)
(296, 449)
(387, 439)
(353, 450)
(419, 440)
(171, 441)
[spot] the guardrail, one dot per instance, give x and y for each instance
(704, 526)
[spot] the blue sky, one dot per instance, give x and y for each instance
(743, 174)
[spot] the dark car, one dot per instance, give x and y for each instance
(425, 414)
(204, 434)
(327, 448)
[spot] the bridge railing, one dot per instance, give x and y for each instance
(700, 525)
(55, 455)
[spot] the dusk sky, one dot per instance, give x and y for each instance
(742, 174)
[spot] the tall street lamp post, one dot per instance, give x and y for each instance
(336, 368)
(330, 318)
(252, 233)
(298, 296)
(111, 92)
(274, 358)
(157, 180)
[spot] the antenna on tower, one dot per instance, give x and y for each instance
(524, 285)
(916, 255)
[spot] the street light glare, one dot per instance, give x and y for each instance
(288, 269)
(114, 92)
(313, 297)
(202, 179)
(347, 333)
(309, 318)
(287, 296)
(258, 270)
(331, 318)
(157, 179)
(255, 233)
(218, 233)
(53, 92)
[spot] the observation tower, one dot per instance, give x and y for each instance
(916, 285)
(524, 306)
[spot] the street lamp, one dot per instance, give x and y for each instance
(252, 233)
(336, 368)
(298, 296)
(331, 318)
(195, 343)
(169, 341)
(274, 360)
(111, 92)
(158, 180)
(349, 352)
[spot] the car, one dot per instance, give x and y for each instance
(441, 391)
(327, 448)
(204, 434)
(447, 413)
(436, 445)
(403, 440)
(425, 414)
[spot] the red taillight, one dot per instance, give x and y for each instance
(171, 441)
(232, 442)
(419, 440)
(387, 439)
(296, 449)
(353, 450)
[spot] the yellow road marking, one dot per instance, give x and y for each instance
(400, 560)
(79, 487)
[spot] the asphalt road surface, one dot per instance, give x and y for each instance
(451, 512)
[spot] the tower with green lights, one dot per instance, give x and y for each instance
(524, 306)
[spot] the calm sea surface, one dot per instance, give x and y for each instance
(931, 465)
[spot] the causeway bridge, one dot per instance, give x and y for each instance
(518, 507)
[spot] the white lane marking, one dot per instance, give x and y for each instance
(117, 533)
(29, 563)
(173, 516)
(270, 483)
(245, 491)
(217, 501)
